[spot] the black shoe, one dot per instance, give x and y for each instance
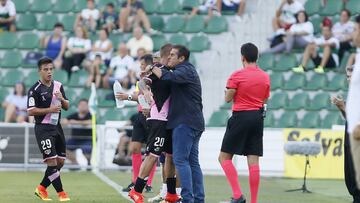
(240, 200)
(148, 189)
(129, 187)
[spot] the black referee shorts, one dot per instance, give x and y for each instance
(140, 130)
(51, 141)
(244, 134)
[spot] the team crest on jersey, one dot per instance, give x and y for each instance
(157, 149)
(31, 101)
(47, 152)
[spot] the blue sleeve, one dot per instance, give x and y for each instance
(180, 75)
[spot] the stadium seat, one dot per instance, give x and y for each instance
(199, 43)
(194, 25)
(8, 40)
(353, 6)
(101, 4)
(151, 6)
(192, 60)
(31, 78)
(331, 8)
(343, 63)
(159, 40)
(70, 93)
(287, 120)
(2, 114)
(63, 6)
(11, 59)
(269, 121)
(116, 39)
(40, 6)
(3, 94)
(65, 114)
(216, 24)
(278, 100)
(317, 81)
(157, 22)
(312, 7)
(84, 94)
(316, 21)
(226, 106)
(174, 24)
(78, 79)
(178, 39)
(218, 118)
(79, 5)
(12, 77)
(47, 22)
(169, 7)
(285, 62)
(113, 115)
(68, 22)
(266, 61)
(103, 102)
(332, 118)
(299, 101)
(276, 81)
(61, 76)
(189, 4)
(130, 112)
(296, 81)
(338, 82)
(26, 22)
(320, 101)
(310, 120)
(28, 41)
(21, 5)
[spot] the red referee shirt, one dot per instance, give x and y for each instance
(252, 87)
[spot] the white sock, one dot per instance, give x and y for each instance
(178, 190)
(163, 190)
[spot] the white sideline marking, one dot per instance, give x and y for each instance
(112, 184)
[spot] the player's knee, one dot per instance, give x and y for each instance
(60, 163)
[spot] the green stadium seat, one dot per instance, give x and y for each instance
(287, 120)
(216, 24)
(218, 118)
(316, 21)
(47, 22)
(151, 6)
(343, 62)
(130, 112)
(278, 100)
(336, 83)
(21, 5)
(310, 120)
(11, 59)
(192, 60)
(113, 115)
(12, 77)
(189, 4)
(320, 101)
(63, 6)
(299, 101)
(28, 41)
(331, 8)
(296, 81)
(102, 3)
(332, 118)
(312, 7)
(266, 61)
(40, 6)
(285, 62)
(353, 6)
(61, 76)
(31, 78)
(157, 22)
(26, 22)
(276, 81)
(318, 81)
(71, 94)
(116, 39)
(194, 25)
(78, 79)
(68, 22)
(84, 94)
(269, 120)
(8, 40)
(169, 7)
(174, 24)
(2, 114)
(65, 114)
(199, 43)
(79, 5)
(3, 94)
(103, 102)
(178, 39)
(226, 106)
(159, 40)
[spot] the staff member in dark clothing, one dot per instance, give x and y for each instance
(348, 162)
(186, 120)
(249, 89)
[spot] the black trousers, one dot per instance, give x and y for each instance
(74, 60)
(349, 170)
(344, 46)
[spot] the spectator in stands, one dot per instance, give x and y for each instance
(55, 45)
(15, 105)
(299, 35)
(343, 30)
(7, 16)
(103, 46)
(81, 133)
(232, 5)
(327, 42)
(77, 48)
(209, 6)
(97, 69)
(139, 40)
(285, 15)
(136, 65)
(132, 13)
(109, 18)
(120, 69)
(88, 17)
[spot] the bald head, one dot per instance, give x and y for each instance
(122, 49)
(138, 32)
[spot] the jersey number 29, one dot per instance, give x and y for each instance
(46, 144)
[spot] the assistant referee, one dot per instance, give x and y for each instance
(249, 89)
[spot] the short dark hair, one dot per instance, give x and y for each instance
(58, 24)
(43, 61)
(357, 19)
(250, 52)
(182, 51)
(110, 5)
(83, 100)
(306, 16)
(347, 12)
(148, 58)
(165, 50)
